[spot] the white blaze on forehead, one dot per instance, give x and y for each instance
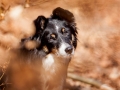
(48, 61)
(56, 27)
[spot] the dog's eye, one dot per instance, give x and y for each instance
(64, 32)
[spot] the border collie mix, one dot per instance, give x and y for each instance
(45, 67)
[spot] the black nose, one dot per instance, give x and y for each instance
(69, 50)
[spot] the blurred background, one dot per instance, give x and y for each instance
(96, 63)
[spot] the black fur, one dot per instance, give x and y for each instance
(46, 26)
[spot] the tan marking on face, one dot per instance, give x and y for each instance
(63, 30)
(45, 49)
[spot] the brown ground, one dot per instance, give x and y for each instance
(97, 56)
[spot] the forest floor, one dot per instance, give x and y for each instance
(96, 63)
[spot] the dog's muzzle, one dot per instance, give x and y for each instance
(66, 49)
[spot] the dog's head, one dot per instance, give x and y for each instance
(58, 33)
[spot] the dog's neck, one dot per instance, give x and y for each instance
(51, 60)
(54, 72)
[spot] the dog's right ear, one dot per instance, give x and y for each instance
(60, 13)
(40, 23)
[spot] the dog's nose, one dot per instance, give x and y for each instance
(69, 50)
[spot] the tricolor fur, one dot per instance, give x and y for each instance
(57, 38)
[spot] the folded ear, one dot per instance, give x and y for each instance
(60, 13)
(40, 23)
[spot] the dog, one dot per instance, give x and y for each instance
(44, 66)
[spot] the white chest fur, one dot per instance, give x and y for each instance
(48, 62)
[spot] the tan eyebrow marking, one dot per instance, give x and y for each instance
(63, 30)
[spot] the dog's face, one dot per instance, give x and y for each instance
(58, 33)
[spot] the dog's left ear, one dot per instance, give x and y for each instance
(63, 14)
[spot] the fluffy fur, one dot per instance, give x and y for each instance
(45, 66)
